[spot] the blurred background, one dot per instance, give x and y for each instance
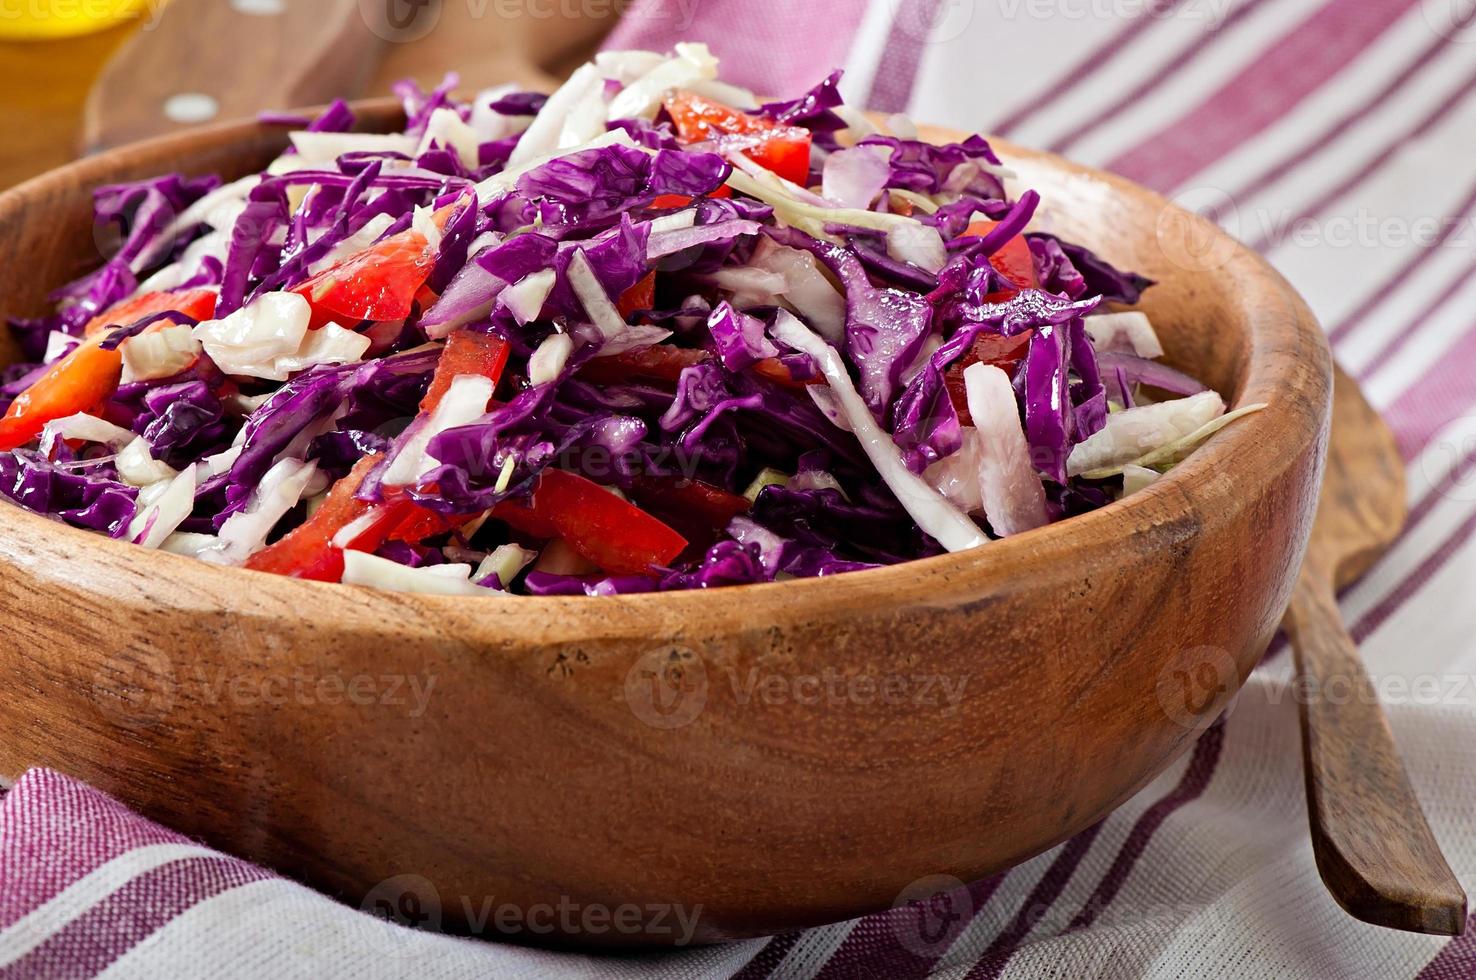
(80, 75)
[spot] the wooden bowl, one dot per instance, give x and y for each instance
(760, 758)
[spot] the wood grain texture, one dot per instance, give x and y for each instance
(318, 50)
(768, 757)
(1373, 844)
(306, 55)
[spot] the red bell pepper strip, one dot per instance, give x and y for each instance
(668, 202)
(775, 370)
(713, 506)
(617, 536)
(466, 352)
(308, 550)
(1013, 261)
(696, 510)
(378, 283)
(697, 119)
(400, 518)
(1002, 352)
(785, 150)
(198, 304)
(88, 374)
(73, 384)
(660, 363)
(523, 517)
(641, 296)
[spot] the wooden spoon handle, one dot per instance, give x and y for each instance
(1373, 845)
(229, 60)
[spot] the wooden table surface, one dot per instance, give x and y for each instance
(44, 85)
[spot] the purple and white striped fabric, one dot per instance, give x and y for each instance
(1331, 135)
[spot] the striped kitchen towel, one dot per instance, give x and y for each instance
(1334, 136)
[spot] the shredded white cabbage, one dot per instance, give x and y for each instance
(676, 221)
(626, 66)
(189, 544)
(1129, 332)
(829, 406)
(525, 298)
(245, 532)
(218, 209)
(1170, 453)
(807, 287)
(423, 220)
(490, 126)
(812, 218)
(1135, 478)
(161, 352)
(597, 305)
(1135, 432)
(224, 460)
(504, 478)
(932, 512)
(747, 281)
(919, 244)
(548, 361)
(817, 480)
(1011, 491)
(547, 134)
(506, 562)
(138, 467)
(88, 428)
(641, 99)
(247, 341)
(59, 345)
(316, 149)
(464, 402)
(446, 128)
(855, 178)
(502, 181)
(331, 344)
(345, 535)
(269, 338)
(634, 338)
(360, 568)
(153, 524)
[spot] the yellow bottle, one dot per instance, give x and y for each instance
(42, 19)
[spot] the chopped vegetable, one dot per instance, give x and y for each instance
(641, 334)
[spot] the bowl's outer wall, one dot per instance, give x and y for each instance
(778, 756)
